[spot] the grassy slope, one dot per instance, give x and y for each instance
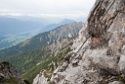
(44, 64)
(31, 63)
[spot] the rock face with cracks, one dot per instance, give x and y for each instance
(98, 55)
(9, 74)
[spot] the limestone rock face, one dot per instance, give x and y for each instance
(116, 82)
(40, 79)
(98, 55)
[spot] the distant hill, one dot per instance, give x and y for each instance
(14, 30)
(53, 26)
(43, 39)
(16, 26)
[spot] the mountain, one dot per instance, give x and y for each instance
(17, 29)
(97, 55)
(66, 21)
(43, 39)
(41, 49)
(14, 31)
(53, 26)
(17, 25)
(10, 26)
(33, 19)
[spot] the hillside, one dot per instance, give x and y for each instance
(41, 50)
(43, 39)
(15, 30)
(98, 55)
(33, 61)
(49, 59)
(12, 40)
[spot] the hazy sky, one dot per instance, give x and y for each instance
(46, 8)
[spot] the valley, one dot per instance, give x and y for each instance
(15, 30)
(12, 40)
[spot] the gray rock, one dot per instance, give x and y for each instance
(2, 77)
(7, 71)
(116, 82)
(40, 79)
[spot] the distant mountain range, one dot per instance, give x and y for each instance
(52, 26)
(15, 26)
(15, 30)
(43, 39)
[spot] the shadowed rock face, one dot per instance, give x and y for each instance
(9, 75)
(99, 49)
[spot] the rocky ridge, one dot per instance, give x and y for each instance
(9, 75)
(98, 55)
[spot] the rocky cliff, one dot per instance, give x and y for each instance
(9, 75)
(98, 55)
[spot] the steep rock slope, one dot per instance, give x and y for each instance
(9, 75)
(99, 51)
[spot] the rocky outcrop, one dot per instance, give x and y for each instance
(9, 75)
(99, 49)
(40, 79)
